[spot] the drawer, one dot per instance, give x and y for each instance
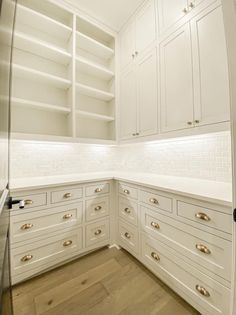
(98, 189)
(31, 201)
(156, 200)
(97, 208)
(128, 191)
(128, 235)
(66, 195)
(40, 253)
(128, 210)
(206, 250)
(97, 232)
(211, 295)
(204, 216)
(40, 223)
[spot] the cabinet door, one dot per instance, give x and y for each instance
(128, 105)
(176, 81)
(211, 76)
(127, 45)
(170, 12)
(145, 27)
(147, 93)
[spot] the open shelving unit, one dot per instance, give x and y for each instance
(63, 75)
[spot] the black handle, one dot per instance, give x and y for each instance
(12, 202)
(234, 215)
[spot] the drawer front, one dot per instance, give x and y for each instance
(97, 208)
(205, 216)
(156, 200)
(97, 232)
(66, 195)
(39, 223)
(37, 254)
(98, 189)
(128, 191)
(211, 295)
(128, 235)
(207, 250)
(31, 201)
(128, 210)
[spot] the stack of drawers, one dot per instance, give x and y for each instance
(185, 242)
(56, 225)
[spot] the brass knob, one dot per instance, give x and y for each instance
(26, 258)
(28, 202)
(67, 216)
(98, 232)
(126, 191)
(202, 216)
(197, 121)
(189, 123)
(27, 226)
(98, 208)
(98, 190)
(203, 249)
(134, 134)
(136, 53)
(127, 210)
(154, 200)
(191, 5)
(68, 195)
(133, 55)
(202, 291)
(155, 256)
(185, 10)
(67, 243)
(155, 225)
(127, 235)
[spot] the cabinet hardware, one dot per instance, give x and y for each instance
(98, 208)
(137, 134)
(126, 191)
(202, 291)
(68, 195)
(127, 210)
(155, 225)
(98, 190)
(28, 202)
(67, 216)
(234, 215)
(155, 256)
(154, 200)
(67, 243)
(189, 123)
(127, 235)
(136, 53)
(27, 226)
(134, 134)
(202, 216)
(191, 5)
(133, 55)
(203, 249)
(98, 232)
(26, 258)
(197, 121)
(185, 10)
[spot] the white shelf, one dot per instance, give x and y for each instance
(94, 47)
(94, 116)
(41, 48)
(94, 93)
(32, 104)
(42, 22)
(32, 74)
(93, 69)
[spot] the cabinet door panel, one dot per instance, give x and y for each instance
(170, 12)
(210, 67)
(145, 27)
(128, 108)
(127, 45)
(176, 81)
(147, 94)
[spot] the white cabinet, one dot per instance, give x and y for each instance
(127, 45)
(176, 81)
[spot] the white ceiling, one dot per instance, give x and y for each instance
(113, 13)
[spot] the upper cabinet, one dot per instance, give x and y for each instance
(127, 45)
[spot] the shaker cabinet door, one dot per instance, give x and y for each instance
(127, 45)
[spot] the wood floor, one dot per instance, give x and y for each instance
(107, 282)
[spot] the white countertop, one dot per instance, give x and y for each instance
(210, 191)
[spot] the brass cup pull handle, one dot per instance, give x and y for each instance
(127, 235)
(26, 258)
(126, 191)
(203, 249)
(67, 216)
(98, 208)
(202, 291)
(155, 225)
(127, 210)
(67, 243)
(27, 226)
(154, 201)
(155, 256)
(68, 195)
(28, 202)
(98, 232)
(98, 190)
(202, 216)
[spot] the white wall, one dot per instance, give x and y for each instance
(206, 156)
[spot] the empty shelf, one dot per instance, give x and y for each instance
(94, 116)
(93, 69)
(95, 93)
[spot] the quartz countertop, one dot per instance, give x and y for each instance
(210, 191)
